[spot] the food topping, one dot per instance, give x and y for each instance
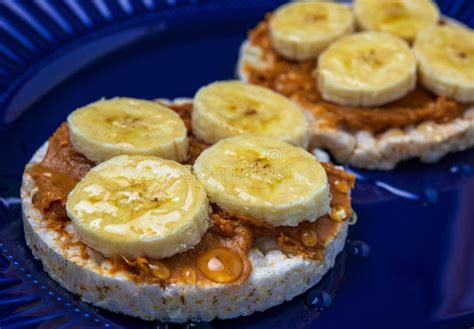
(295, 79)
(222, 253)
(265, 179)
(127, 126)
(139, 206)
(229, 108)
(221, 265)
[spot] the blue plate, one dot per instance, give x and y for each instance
(58, 55)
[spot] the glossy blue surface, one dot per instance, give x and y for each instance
(418, 219)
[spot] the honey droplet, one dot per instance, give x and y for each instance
(220, 265)
(338, 214)
(341, 186)
(353, 219)
(159, 270)
(215, 265)
(189, 276)
(308, 237)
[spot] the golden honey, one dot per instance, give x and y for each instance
(341, 186)
(220, 265)
(189, 275)
(308, 237)
(159, 269)
(338, 213)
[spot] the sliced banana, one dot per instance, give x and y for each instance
(229, 108)
(445, 57)
(139, 206)
(403, 18)
(366, 69)
(301, 30)
(117, 126)
(264, 178)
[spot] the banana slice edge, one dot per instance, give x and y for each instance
(225, 109)
(246, 175)
(139, 206)
(122, 125)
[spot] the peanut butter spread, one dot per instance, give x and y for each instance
(229, 239)
(295, 79)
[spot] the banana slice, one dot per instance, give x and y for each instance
(445, 57)
(366, 69)
(264, 178)
(403, 18)
(108, 128)
(302, 30)
(229, 108)
(139, 206)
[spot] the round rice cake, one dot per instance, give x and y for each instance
(275, 277)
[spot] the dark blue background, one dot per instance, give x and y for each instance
(420, 272)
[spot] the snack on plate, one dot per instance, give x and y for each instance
(361, 92)
(237, 227)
